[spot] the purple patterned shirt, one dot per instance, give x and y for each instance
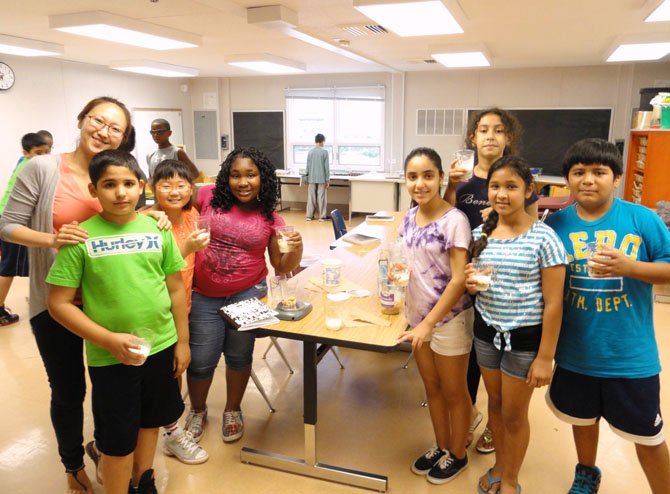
(427, 250)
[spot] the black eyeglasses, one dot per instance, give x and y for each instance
(157, 131)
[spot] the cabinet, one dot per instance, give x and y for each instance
(647, 178)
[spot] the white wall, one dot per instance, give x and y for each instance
(49, 93)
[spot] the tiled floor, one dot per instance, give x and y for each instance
(369, 419)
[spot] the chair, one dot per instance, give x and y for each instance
(339, 227)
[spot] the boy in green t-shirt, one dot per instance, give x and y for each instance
(129, 275)
(15, 257)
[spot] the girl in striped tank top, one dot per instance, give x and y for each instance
(517, 316)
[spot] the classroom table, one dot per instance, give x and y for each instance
(360, 267)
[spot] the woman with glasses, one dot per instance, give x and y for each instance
(49, 201)
(161, 132)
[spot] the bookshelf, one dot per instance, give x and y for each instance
(647, 178)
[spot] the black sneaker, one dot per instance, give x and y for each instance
(7, 317)
(447, 469)
(147, 483)
(428, 460)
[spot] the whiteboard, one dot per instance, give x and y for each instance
(142, 118)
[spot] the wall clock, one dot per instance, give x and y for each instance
(6, 76)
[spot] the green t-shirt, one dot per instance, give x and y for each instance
(10, 185)
(121, 270)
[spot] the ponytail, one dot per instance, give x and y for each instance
(477, 246)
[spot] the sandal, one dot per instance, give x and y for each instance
(85, 489)
(485, 442)
(94, 455)
(473, 426)
(490, 480)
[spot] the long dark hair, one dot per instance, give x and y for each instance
(224, 199)
(513, 129)
(519, 166)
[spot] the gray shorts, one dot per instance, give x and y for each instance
(514, 363)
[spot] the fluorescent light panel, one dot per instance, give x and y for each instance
(462, 59)
(639, 52)
(660, 13)
(23, 47)
(149, 67)
(423, 18)
(267, 64)
(119, 29)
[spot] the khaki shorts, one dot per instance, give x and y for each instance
(455, 337)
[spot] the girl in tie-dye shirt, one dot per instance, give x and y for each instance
(436, 236)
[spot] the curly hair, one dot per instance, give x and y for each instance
(513, 129)
(223, 197)
(520, 167)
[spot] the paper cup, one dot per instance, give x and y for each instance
(331, 272)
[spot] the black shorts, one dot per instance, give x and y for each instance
(127, 398)
(14, 259)
(632, 407)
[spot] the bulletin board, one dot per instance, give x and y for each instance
(263, 130)
(142, 118)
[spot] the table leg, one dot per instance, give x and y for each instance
(310, 466)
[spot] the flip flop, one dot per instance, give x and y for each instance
(491, 481)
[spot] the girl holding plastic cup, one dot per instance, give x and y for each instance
(244, 226)
(436, 236)
(518, 317)
(491, 133)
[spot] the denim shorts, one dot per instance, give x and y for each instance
(210, 336)
(514, 363)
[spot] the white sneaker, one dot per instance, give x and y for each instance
(180, 443)
(195, 424)
(233, 425)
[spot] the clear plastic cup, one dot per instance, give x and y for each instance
(484, 275)
(283, 233)
(144, 338)
(466, 160)
(336, 310)
(592, 264)
(204, 226)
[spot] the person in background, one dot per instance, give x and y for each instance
(491, 133)
(15, 257)
(318, 179)
(241, 209)
(128, 271)
(517, 313)
(607, 363)
(161, 132)
(45, 207)
(173, 188)
(47, 137)
(436, 237)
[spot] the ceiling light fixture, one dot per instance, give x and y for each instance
(411, 18)
(23, 47)
(119, 29)
(639, 52)
(149, 67)
(660, 13)
(461, 56)
(267, 64)
(285, 20)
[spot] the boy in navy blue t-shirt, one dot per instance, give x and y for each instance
(607, 363)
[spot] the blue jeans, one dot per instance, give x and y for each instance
(210, 336)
